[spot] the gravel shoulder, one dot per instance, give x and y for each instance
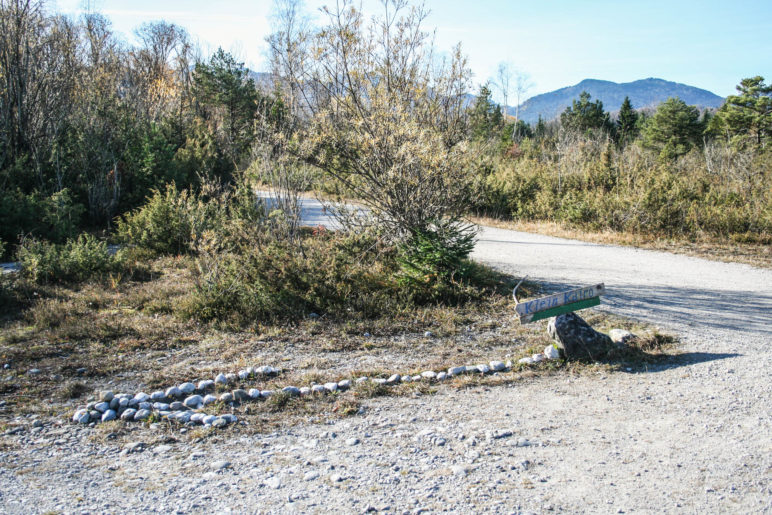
(693, 434)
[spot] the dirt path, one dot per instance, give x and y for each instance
(692, 435)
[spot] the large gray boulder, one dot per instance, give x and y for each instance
(576, 339)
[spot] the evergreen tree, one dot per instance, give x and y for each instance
(585, 116)
(674, 129)
(228, 100)
(746, 117)
(627, 123)
(486, 117)
(541, 128)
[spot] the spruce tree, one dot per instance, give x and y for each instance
(627, 123)
(585, 116)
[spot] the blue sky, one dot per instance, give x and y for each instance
(708, 44)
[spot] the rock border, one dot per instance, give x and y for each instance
(184, 403)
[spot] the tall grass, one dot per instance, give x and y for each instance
(714, 192)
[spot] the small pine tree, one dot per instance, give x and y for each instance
(627, 123)
(585, 116)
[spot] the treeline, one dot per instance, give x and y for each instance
(90, 125)
(671, 171)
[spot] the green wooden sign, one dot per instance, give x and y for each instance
(559, 303)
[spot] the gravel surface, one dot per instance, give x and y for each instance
(691, 435)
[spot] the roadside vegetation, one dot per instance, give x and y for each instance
(127, 192)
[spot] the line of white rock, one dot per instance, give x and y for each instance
(184, 403)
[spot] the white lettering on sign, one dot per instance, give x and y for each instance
(559, 299)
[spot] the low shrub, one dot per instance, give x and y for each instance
(164, 225)
(433, 262)
(263, 278)
(77, 260)
(268, 279)
(627, 190)
(172, 222)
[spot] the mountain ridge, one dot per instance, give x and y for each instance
(643, 93)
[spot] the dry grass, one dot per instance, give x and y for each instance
(708, 248)
(126, 337)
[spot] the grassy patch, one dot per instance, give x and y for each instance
(82, 336)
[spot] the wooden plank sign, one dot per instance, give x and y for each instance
(559, 303)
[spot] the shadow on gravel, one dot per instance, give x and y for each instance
(740, 311)
(663, 363)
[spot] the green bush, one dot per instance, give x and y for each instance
(432, 261)
(172, 222)
(269, 279)
(164, 225)
(77, 260)
(54, 218)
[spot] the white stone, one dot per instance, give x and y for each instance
(497, 366)
(620, 336)
(429, 374)
(538, 357)
(291, 390)
(102, 407)
(331, 387)
(243, 374)
(221, 379)
(311, 475)
(454, 371)
(109, 415)
(209, 399)
(428, 334)
(187, 388)
(317, 388)
(194, 401)
(208, 419)
(484, 369)
(379, 380)
(394, 379)
(442, 376)
(157, 396)
(417, 377)
(81, 416)
(304, 390)
(254, 393)
(526, 361)
(142, 397)
(406, 378)
(173, 392)
(362, 379)
(142, 414)
(344, 384)
(550, 352)
(471, 369)
(128, 414)
(206, 383)
(266, 393)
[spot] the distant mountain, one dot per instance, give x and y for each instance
(643, 93)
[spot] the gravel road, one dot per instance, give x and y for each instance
(693, 435)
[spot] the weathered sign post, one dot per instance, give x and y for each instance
(557, 304)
